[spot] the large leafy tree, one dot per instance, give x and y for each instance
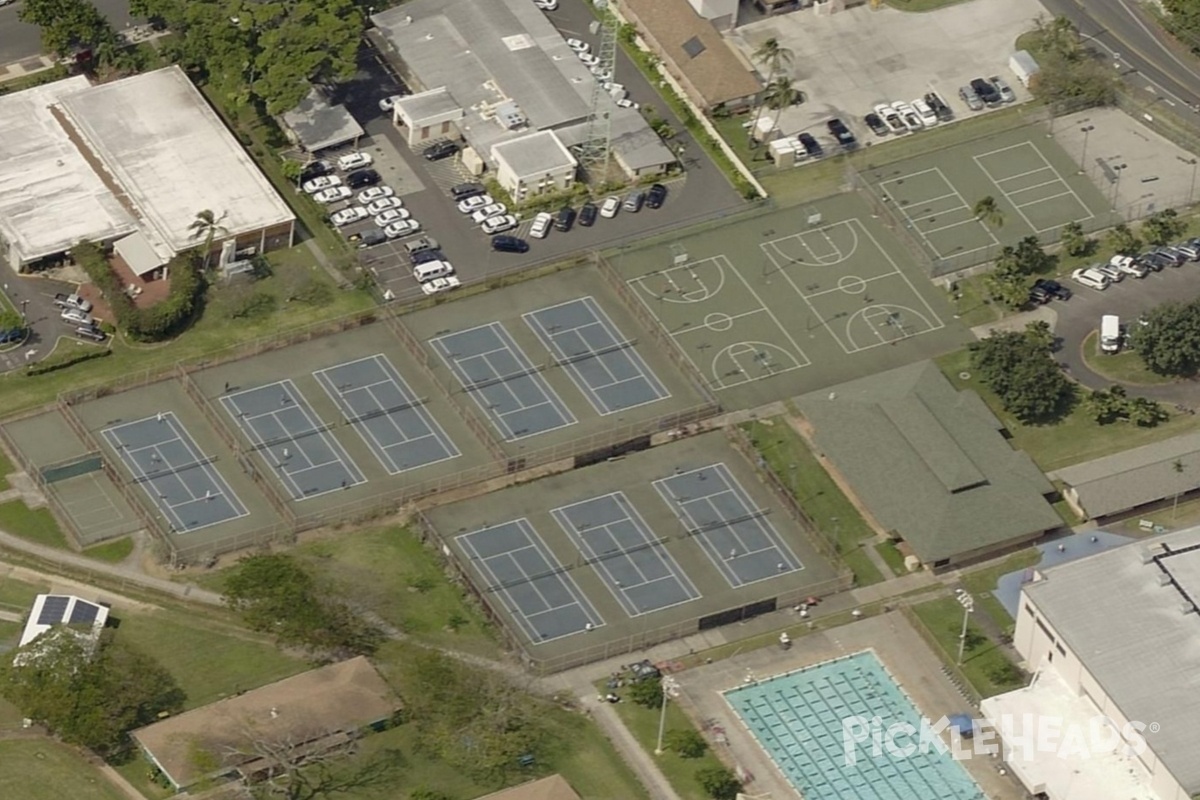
(88, 695)
(68, 26)
(1163, 227)
(266, 51)
(1017, 366)
(1183, 20)
(1169, 342)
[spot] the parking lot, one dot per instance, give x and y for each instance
(847, 62)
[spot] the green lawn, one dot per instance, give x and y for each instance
(42, 769)
(790, 458)
(36, 525)
(17, 595)
(981, 583)
(112, 552)
(972, 305)
(892, 557)
(1124, 367)
(985, 666)
(1075, 438)
(209, 659)
(6, 468)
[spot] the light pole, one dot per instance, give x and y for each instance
(1118, 169)
(968, 603)
(1191, 189)
(670, 688)
(24, 315)
(1086, 129)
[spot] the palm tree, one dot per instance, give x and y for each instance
(774, 56)
(208, 226)
(778, 95)
(987, 211)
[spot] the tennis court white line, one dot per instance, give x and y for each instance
(953, 194)
(1047, 165)
(924, 231)
(1044, 199)
(1015, 192)
(912, 221)
(1024, 174)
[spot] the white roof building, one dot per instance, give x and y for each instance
(534, 164)
(63, 609)
(140, 156)
(1116, 634)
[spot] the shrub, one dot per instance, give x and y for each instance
(66, 359)
(719, 783)
(687, 743)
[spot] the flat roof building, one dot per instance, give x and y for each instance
(63, 609)
(533, 165)
(316, 125)
(137, 157)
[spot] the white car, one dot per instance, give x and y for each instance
(927, 115)
(1090, 278)
(589, 59)
(1129, 266)
(392, 215)
(439, 285)
(472, 204)
(388, 103)
(546, 5)
(324, 182)
(890, 118)
(601, 74)
(578, 45)
(354, 161)
(610, 208)
(383, 204)
(1109, 271)
(500, 224)
(348, 215)
(405, 227)
(907, 115)
(627, 103)
(541, 225)
(487, 212)
(332, 194)
(367, 196)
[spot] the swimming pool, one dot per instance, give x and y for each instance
(798, 716)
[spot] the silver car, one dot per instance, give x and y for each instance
(971, 98)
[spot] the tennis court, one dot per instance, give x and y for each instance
(179, 479)
(390, 418)
(600, 360)
(492, 368)
(735, 535)
(632, 562)
(537, 591)
(288, 435)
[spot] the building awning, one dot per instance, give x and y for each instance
(136, 251)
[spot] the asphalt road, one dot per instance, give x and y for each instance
(19, 41)
(1147, 57)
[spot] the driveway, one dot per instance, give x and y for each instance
(1079, 316)
(36, 297)
(846, 63)
(20, 41)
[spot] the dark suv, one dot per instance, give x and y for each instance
(314, 169)
(364, 177)
(439, 150)
(1044, 290)
(565, 219)
(987, 92)
(810, 144)
(587, 214)
(464, 190)
(839, 131)
(656, 196)
(943, 112)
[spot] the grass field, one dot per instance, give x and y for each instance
(18, 595)
(790, 458)
(1124, 367)
(1072, 440)
(984, 664)
(892, 557)
(981, 584)
(6, 469)
(113, 552)
(36, 525)
(41, 769)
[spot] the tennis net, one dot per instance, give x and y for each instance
(603, 351)
(383, 412)
(717, 525)
(486, 382)
(292, 437)
(172, 470)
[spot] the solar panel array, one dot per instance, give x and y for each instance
(83, 613)
(53, 610)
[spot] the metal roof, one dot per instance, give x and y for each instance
(533, 155)
(318, 125)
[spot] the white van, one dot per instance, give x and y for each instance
(431, 270)
(1110, 333)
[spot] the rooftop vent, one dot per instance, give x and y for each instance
(693, 47)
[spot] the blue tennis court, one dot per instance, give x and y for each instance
(600, 360)
(539, 594)
(179, 479)
(737, 537)
(799, 719)
(389, 416)
(504, 383)
(635, 566)
(282, 427)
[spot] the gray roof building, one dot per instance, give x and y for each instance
(1130, 617)
(317, 125)
(533, 154)
(1122, 481)
(930, 463)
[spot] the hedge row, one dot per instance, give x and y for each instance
(160, 321)
(66, 359)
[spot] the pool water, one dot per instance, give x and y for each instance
(798, 717)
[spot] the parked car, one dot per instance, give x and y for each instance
(368, 196)
(876, 124)
(1129, 266)
(602, 74)
(925, 112)
(971, 98)
(75, 316)
(332, 194)
(63, 300)
(386, 104)
(383, 204)
(509, 244)
(1090, 278)
(1109, 271)
(488, 211)
(546, 5)
(387, 217)
(473, 204)
(541, 225)
(810, 144)
(324, 182)
(1001, 86)
(890, 118)
(610, 207)
(1154, 261)
(1189, 249)
(587, 214)
(89, 332)
(939, 106)
(565, 219)
(588, 59)
(1175, 259)
(625, 102)
(908, 116)
(1045, 289)
(12, 335)
(348, 215)
(364, 177)
(369, 238)
(354, 161)
(464, 190)
(634, 201)
(439, 150)
(314, 169)
(839, 131)
(439, 285)
(425, 256)
(656, 195)
(1174, 252)
(493, 225)
(405, 227)
(578, 45)
(422, 244)
(988, 93)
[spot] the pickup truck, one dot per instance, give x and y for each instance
(72, 301)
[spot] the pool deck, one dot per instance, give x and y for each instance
(897, 645)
